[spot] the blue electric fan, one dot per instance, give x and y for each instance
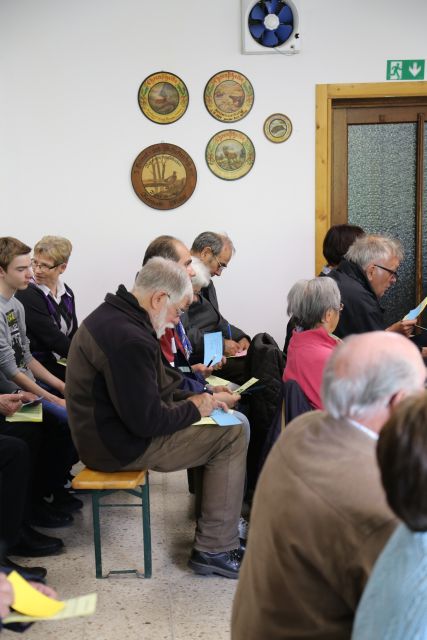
(271, 23)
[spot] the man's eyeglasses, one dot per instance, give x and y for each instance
(341, 307)
(392, 273)
(179, 312)
(42, 266)
(221, 265)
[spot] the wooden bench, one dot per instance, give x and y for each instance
(99, 485)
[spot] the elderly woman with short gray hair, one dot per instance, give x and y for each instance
(316, 305)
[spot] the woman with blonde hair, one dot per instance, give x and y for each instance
(49, 304)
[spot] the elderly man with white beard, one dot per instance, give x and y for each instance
(127, 413)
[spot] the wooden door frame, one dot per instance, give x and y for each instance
(325, 94)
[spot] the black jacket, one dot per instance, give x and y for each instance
(119, 394)
(266, 362)
(203, 317)
(362, 311)
(43, 328)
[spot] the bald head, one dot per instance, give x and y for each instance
(170, 248)
(369, 372)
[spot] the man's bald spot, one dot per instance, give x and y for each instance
(360, 352)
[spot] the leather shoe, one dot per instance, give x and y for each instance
(44, 515)
(33, 544)
(224, 563)
(29, 573)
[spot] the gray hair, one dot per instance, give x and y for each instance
(358, 386)
(160, 274)
(215, 242)
(372, 248)
(202, 275)
(309, 300)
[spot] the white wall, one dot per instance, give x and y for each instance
(71, 128)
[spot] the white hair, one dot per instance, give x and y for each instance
(309, 300)
(356, 387)
(372, 248)
(159, 274)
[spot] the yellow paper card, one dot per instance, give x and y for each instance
(30, 601)
(246, 385)
(206, 420)
(29, 413)
(74, 607)
(216, 381)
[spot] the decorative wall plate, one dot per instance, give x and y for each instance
(230, 154)
(229, 96)
(164, 176)
(278, 127)
(163, 97)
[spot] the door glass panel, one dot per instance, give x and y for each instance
(381, 198)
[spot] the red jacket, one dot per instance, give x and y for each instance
(308, 353)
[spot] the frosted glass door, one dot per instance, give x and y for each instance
(382, 198)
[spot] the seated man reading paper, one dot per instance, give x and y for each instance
(127, 413)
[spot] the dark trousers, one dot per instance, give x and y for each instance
(221, 451)
(14, 482)
(52, 453)
(50, 363)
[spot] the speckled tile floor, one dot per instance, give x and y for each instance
(174, 604)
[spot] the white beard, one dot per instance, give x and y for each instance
(161, 325)
(161, 330)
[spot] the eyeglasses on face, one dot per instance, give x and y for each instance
(179, 312)
(221, 265)
(393, 274)
(42, 266)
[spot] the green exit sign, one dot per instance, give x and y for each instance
(405, 69)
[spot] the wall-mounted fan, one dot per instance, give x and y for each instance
(270, 26)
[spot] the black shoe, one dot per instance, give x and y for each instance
(44, 515)
(64, 501)
(70, 478)
(29, 573)
(225, 563)
(33, 544)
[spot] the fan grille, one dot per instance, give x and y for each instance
(271, 23)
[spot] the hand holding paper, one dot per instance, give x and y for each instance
(28, 413)
(6, 595)
(414, 313)
(212, 348)
(246, 385)
(231, 348)
(31, 601)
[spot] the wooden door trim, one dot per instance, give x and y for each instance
(419, 207)
(325, 94)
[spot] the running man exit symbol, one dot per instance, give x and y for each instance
(405, 69)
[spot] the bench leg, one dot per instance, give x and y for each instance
(97, 533)
(146, 528)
